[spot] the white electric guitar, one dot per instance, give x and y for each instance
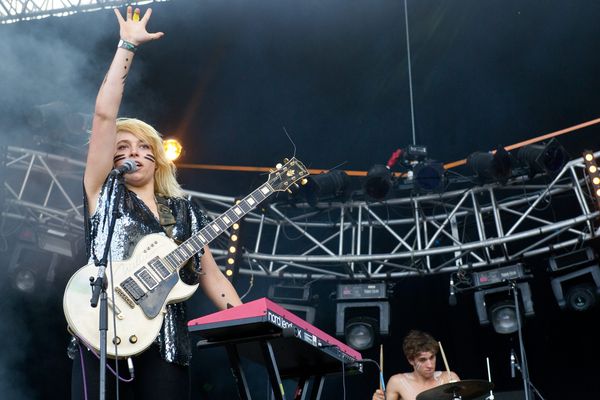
(149, 280)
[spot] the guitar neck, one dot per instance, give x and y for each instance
(194, 244)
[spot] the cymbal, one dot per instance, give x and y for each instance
(466, 389)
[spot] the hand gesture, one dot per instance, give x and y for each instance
(133, 29)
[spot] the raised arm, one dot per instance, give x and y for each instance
(102, 145)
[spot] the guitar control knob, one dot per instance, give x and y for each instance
(116, 340)
(133, 339)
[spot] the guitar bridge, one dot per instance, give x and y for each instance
(126, 298)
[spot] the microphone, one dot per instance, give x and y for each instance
(452, 297)
(512, 363)
(127, 167)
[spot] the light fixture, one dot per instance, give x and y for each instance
(577, 290)
(172, 148)
(233, 250)
(576, 278)
(32, 271)
(294, 298)
(429, 176)
(593, 174)
(361, 333)
(329, 186)
(491, 166)
(496, 304)
(363, 314)
(378, 182)
(549, 158)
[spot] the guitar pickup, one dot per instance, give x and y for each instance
(148, 280)
(133, 290)
(157, 266)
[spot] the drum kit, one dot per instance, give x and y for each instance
(460, 390)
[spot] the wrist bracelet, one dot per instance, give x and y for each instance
(127, 46)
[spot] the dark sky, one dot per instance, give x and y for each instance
(230, 76)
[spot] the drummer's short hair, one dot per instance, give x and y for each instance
(416, 342)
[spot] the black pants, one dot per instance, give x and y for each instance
(154, 378)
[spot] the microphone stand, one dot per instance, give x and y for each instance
(523, 365)
(100, 284)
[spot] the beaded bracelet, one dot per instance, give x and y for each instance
(127, 46)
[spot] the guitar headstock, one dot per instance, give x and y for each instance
(284, 176)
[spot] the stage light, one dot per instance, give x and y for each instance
(232, 267)
(361, 333)
(172, 149)
(429, 176)
(549, 158)
(415, 152)
(24, 280)
(593, 174)
(330, 186)
(32, 270)
(504, 317)
(496, 306)
(491, 167)
(362, 314)
(378, 182)
(576, 282)
(577, 290)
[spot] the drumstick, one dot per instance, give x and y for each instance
(491, 396)
(445, 362)
(381, 367)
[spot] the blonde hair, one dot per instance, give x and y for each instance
(165, 182)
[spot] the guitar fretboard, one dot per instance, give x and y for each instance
(194, 244)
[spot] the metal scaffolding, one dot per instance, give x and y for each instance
(468, 228)
(12, 11)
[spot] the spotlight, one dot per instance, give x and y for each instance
(491, 167)
(332, 185)
(578, 290)
(378, 182)
(361, 333)
(504, 317)
(24, 279)
(32, 270)
(172, 149)
(429, 176)
(363, 314)
(547, 158)
(496, 306)
(415, 153)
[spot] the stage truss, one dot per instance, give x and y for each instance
(472, 227)
(12, 11)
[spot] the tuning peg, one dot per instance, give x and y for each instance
(279, 166)
(285, 160)
(304, 181)
(295, 185)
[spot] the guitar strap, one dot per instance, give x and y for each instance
(167, 221)
(165, 216)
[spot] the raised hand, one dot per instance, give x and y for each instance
(133, 29)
